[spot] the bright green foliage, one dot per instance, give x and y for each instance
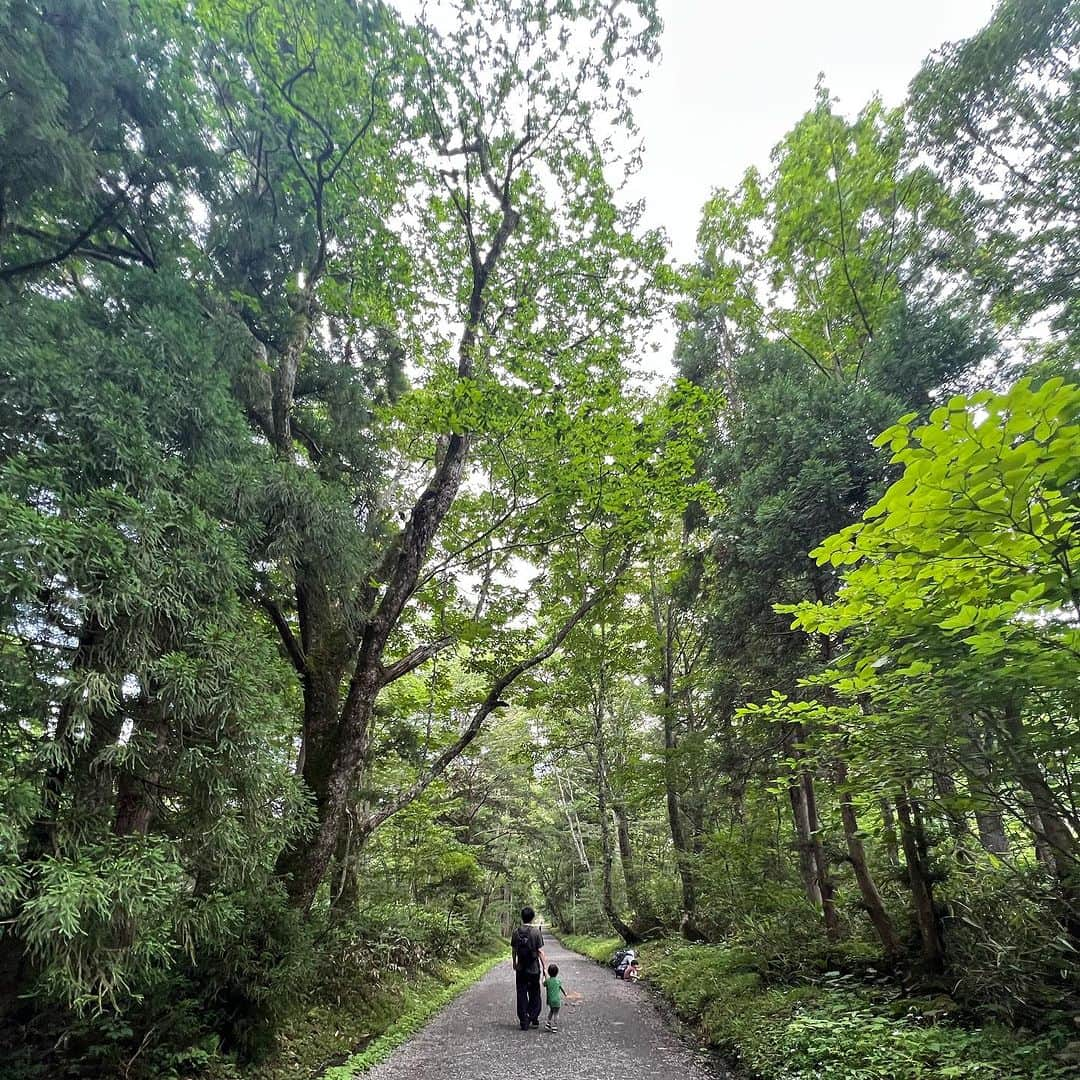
(354, 590)
(1000, 111)
(820, 251)
(974, 550)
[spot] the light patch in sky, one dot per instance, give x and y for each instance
(735, 77)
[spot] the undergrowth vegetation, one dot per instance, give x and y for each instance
(834, 1025)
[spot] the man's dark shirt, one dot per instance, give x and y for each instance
(532, 967)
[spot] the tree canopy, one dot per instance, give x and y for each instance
(357, 587)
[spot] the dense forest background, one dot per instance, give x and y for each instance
(356, 585)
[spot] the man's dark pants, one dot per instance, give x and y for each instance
(528, 998)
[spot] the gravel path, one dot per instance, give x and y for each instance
(615, 1031)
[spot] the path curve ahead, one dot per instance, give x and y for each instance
(616, 1031)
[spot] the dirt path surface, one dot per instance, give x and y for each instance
(615, 1031)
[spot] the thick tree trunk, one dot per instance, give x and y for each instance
(338, 742)
(992, 835)
(922, 894)
(345, 878)
(138, 782)
(871, 898)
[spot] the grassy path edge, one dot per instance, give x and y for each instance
(415, 1017)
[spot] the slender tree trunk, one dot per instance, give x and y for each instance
(1057, 832)
(915, 855)
(821, 864)
(888, 828)
(606, 853)
(989, 820)
(643, 918)
(813, 865)
(945, 786)
(1064, 848)
(804, 840)
(684, 856)
(1042, 849)
(871, 898)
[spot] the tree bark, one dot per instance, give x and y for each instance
(804, 841)
(871, 898)
(915, 855)
(644, 919)
(337, 743)
(989, 819)
(813, 865)
(1042, 849)
(945, 786)
(1057, 830)
(684, 855)
(821, 865)
(599, 711)
(888, 827)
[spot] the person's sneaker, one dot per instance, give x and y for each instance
(553, 1027)
(548, 1027)
(534, 1023)
(524, 1027)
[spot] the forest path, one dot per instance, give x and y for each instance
(615, 1030)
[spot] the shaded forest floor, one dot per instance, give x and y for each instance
(839, 1025)
(346, 1034)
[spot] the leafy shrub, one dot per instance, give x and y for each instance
(599, 949)
(102, 926)
(1004, 941)
(833, 1028)
(250, 980)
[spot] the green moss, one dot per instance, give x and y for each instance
(598, 949)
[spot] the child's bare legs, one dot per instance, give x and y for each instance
(552, 1020)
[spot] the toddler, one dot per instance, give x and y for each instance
(554, 997)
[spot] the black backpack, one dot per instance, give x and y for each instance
(524, 942)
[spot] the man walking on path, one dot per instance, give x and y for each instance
(527, 946)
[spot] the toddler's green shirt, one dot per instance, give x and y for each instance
(554, 991)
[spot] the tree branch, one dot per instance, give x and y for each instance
(491, 702)
(288, 639)
(411, 660)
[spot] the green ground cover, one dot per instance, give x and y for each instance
(832, 1027)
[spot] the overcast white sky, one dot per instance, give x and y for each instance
(736, 74)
